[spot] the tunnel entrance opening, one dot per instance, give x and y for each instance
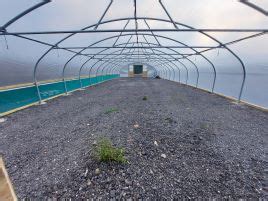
(138, 69)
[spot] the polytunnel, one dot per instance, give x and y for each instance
(180, 85)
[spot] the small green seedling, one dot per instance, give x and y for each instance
(111, 110)
(145, 98)
(106, 152)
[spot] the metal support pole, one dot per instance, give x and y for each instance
(111, 2)
(3, 28)
(169, 16)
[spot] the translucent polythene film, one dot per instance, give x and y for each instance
(219, 46)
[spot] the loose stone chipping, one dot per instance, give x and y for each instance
(2, 120)
(213, 148)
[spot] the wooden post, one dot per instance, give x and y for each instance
(6, 189)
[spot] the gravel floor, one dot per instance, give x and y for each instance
(207, 145)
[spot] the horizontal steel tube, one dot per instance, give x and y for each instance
(133, 30)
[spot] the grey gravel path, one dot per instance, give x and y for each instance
(180, 143)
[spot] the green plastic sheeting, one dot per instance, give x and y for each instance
(19, 97)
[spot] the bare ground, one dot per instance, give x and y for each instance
(213, 147)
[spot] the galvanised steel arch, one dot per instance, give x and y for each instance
(125, 47)
(119, 63)
(65, 65)
(158, 36)
(91, 66)
(196, 52)
(177, 53)
(135, 32)
(86, 62)
(165, 60)
(149, 60)
(102, 58)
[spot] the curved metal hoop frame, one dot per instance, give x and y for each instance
(145, 18)
(164, 68)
